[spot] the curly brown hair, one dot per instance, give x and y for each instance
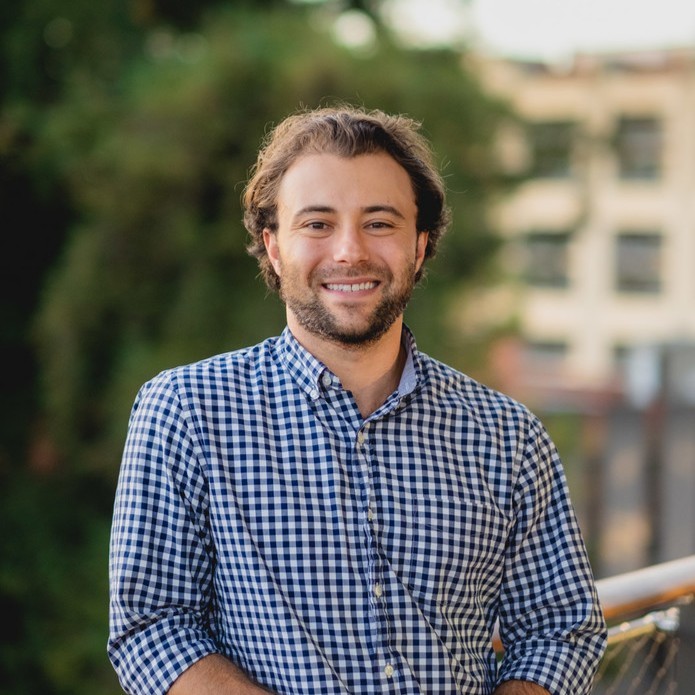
(346, 131)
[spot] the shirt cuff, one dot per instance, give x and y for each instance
(562, 668)
(150, 660)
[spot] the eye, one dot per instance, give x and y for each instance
(315, 226)
(380, 226)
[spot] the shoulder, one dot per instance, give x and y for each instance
(508, 435)
(216, 376)
(447, 387)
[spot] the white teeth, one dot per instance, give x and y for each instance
(352, 288)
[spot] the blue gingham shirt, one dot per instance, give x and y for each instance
(259, 516)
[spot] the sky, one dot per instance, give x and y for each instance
(552, 29)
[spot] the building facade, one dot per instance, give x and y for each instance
(601, 231)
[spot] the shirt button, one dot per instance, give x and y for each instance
(370, 514)
(378, 590)
(360, 438)
(327, 380)
(314, 394)
(388, 670)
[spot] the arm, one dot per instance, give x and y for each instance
(162, 555)
(551, 624)
(215, 675)
(519, 688)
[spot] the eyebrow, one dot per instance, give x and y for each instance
(369, 209)
(314, 208)
(385, 208)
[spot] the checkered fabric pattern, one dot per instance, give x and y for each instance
(259, 516)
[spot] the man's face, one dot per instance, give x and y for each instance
(346, 248)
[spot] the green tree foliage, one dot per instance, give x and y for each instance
(45, 47)
(141, 159)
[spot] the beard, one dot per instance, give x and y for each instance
(317, 318)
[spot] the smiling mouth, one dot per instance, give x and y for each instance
(357, 287)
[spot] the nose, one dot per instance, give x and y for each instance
(350, 245)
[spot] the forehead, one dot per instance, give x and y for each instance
(336, 181)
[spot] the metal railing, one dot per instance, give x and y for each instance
(627, 595)
(642, 610)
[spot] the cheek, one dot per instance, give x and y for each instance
(303, 257)
(296, 265)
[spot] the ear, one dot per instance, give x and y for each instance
(270, 240)
(422, 239)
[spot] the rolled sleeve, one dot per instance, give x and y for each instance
(551, 624)
(161, 556)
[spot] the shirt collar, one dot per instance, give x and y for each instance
(309, 373)
(411, 371)
(300, 364)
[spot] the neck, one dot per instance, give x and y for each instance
(370, 372)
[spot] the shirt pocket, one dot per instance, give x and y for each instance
(456, 553)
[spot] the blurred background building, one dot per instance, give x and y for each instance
(602, 232)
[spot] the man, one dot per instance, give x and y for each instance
(332, 511)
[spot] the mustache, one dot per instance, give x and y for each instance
(330, 273)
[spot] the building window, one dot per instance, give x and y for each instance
(547, 259)
(638, 262)
(638, 147)
(551, 145)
